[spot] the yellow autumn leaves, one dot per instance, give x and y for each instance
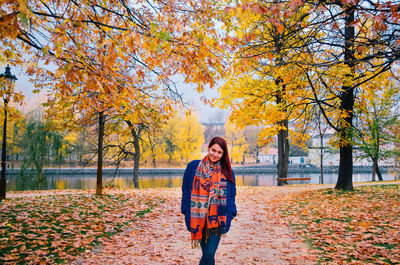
(182, 138)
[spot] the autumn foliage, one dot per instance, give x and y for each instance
(56, 228)
(359, 227)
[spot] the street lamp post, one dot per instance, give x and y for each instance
(7, 81)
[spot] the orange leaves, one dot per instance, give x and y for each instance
(8, 19)
(280, 28)
(270, 57)
(116, 64)
(359, 227)
(9, 26)
(96, 50)
(257, 235)
(140, 74)
(53, 229)
(364, 224)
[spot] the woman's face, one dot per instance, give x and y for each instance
(215, 153)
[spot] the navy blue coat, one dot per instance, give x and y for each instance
(187, 189)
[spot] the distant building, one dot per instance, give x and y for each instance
(332, 156)
(299, 160)
(212, 129)
(270, 156)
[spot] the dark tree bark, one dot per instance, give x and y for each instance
(321, 132)
(136, 132)
(257, 153)
(136, 159)
(375, 169)
(152, 148)
(99, 180)
(283, 153)
(345, 177)
(283, 142)
(321, 160)
(378, 172)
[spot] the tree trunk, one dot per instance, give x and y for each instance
(136, 159)
(377, 156)
(321, 160)
(283, 139)
(136, 156)
(286, 151)
(280, 157)
(152, 148)
(257, 153)
(345, 178)
(283, 153)
(378, 172)
(375, 162)
(99, 180)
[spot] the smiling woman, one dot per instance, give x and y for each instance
(215, 153)
(208, 198)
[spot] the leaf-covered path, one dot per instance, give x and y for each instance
(257, 235)
(145, 227)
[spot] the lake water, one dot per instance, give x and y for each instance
(125, 181)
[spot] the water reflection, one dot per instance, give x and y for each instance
(145, 181)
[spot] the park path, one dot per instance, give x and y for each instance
(257, 235)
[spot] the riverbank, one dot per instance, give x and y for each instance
(125, 181)
(249, 169)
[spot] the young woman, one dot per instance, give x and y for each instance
(208, 198)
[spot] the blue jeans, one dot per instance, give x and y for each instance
(209, 248)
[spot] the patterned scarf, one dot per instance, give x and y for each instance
(208, 200)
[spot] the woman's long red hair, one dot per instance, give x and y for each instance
(225, 160)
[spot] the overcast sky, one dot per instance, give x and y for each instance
(190, 95)
(206, 112)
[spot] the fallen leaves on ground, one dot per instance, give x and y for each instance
(256, 236)
(56, 228)
(357, 227)
(146, 227)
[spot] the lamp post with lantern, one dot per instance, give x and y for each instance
(7, 81)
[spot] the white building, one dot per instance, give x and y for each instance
(331, 156)
(270, 156)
